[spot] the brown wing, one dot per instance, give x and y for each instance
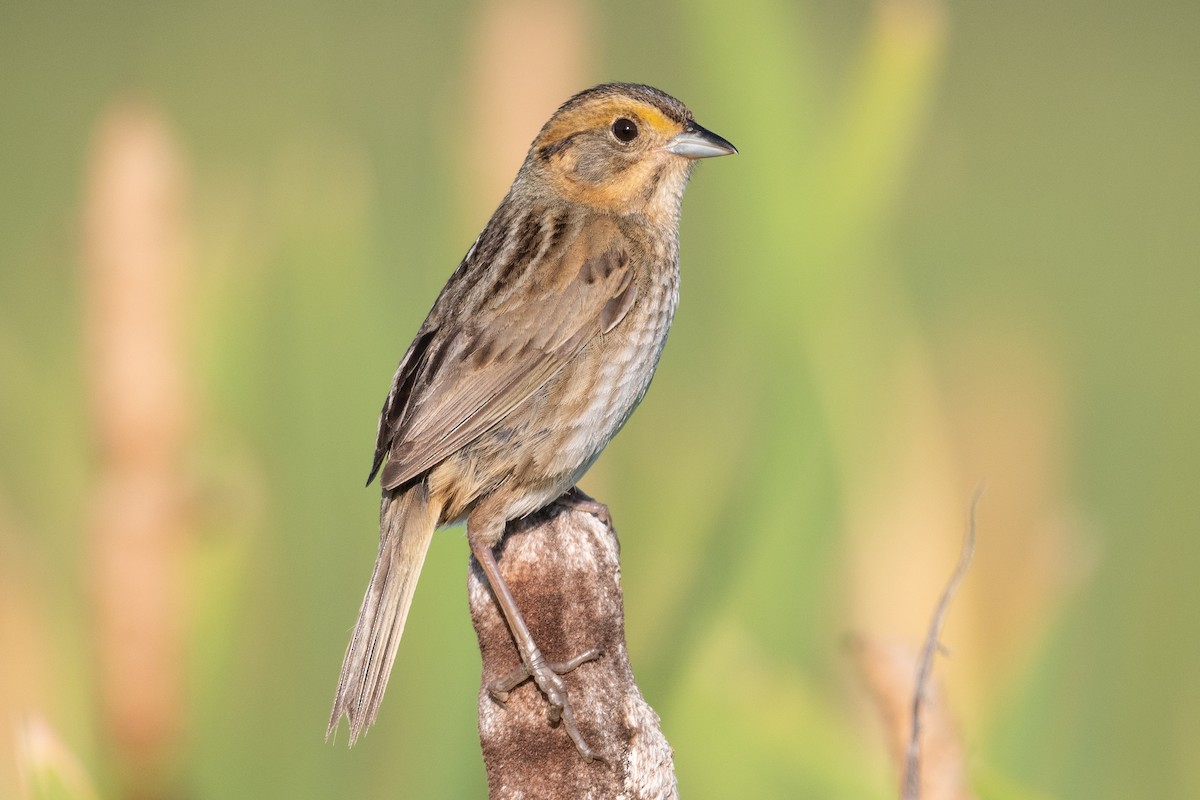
(462, 378)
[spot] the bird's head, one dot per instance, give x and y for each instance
(622, 148)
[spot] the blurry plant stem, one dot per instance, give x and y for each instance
(510, 97)
(47, 767)
(911, 789)
(830, 308)
(134, 261)
(921, 733)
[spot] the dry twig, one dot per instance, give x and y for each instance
(912, 761)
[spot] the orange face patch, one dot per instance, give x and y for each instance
(601, 114)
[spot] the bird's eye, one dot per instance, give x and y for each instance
(625, 130)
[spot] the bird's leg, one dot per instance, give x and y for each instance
(575, 499)
(546, 675)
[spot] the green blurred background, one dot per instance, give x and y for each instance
(960, 244)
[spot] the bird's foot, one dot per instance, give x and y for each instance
(574, 499)
(548, 677)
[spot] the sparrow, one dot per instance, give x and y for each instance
(536, 352)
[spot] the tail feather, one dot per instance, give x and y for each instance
(407, 521)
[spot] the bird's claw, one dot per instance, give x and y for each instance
(548, 677)
(575, 499)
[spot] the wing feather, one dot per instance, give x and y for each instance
(455, 385)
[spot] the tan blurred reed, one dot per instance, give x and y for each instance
(512, 94)
(135, 278)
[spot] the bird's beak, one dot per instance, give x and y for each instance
(697, 141)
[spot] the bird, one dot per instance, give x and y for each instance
(541, 344)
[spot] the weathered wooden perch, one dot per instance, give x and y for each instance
(563, 567)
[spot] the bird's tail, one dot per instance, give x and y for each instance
(406, 523)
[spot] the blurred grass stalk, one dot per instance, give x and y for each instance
(511, 97)
(826, 193)
(48, 768)
(820, 195)
(868, 148)
(135, 260)
(901, 463)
